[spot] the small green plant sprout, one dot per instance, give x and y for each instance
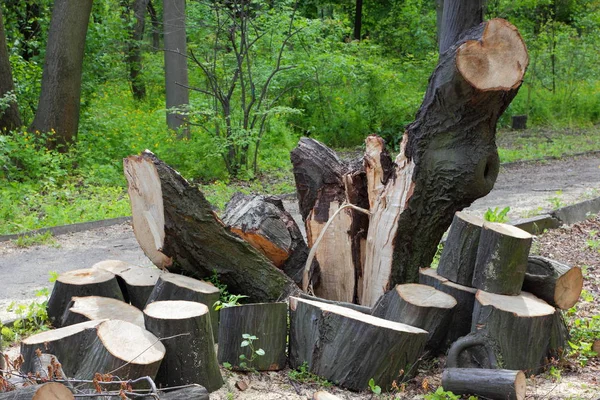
(593, 242)
(37, 239)
(231, 300)
(556, 201)
(497, 214)
(441, 394)
(438, 253)
(375, 389)
(254, 353)
(303, 375)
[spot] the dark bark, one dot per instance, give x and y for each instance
(494, 384)
(82, 309)
(50, 390)
(155, 25)
(349, 347)
(195, 392)
(501, 259)
(190, 358)
(134, 50)
(559, 337)
(177, 229)
(58, 107)
(10, 118)
(358, 19)
(458, 17)
(352, 306)
(266, 321)
(475, 350)
(557, 284)
(519, 122)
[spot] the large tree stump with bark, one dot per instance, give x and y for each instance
(45, 391)
(265, 321)
(501, 259)
(475, 350)
(177, 229)
(81, 282)
(187, 335)
(136, 282)
(349, 347)
(457, 261)
(527, 319)
(263, 222)
(557, 284)
(494, 384)
(420, 306)
(82, 309)
(179, 287)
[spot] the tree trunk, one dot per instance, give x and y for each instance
(358, 19)
(155, 25)
(458, 17)
(58, 107)
(494, 384)
(191, 357)
(134, 51)
(475, 350)
(267, 322)
(10, 118)
(89, 308)
(557, 284)
(46, 391)
(349, 347)
(177, 229)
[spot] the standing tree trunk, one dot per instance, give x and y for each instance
(58, 107)
(358, 19)
(134, 51)
(457, 17)
(9, 116)
(155, 25)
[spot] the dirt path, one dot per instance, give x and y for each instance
(526, 188)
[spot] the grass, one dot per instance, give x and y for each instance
(45, 238)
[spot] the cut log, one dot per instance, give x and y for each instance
(191, 356)
(46, 391)
(81, 282)
(136, 282)
(194, 392)
(475, 350)
(420, 306)
(81, 309)
(122, 349)
(48, 367)
(179, 287)
(527, 318)
(68, 344)
(460, 250)
(501, 259)
(355, 307)
(495, 384)
(559, 337)
(177, 229)
(349, 347)
(263, 222)
(267, 322)
(460, 325)
(557, 284)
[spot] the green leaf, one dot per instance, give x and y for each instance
(245, 343)
(260, 352)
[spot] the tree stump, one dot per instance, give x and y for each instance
(121, 349)
(267, 322)
(494, 384)
(48, 367)
(81, 309)
(557, 284)
(179, 287)
(81, 282)
(559, 336)
(527, 318)
(191, 356)
(136, 282)
(45, 391)
(501, 259)
(420, 306)
(475, 350)
(460, 250)
(349, 347)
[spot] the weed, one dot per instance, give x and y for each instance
(594, 241)
(497, 214)
(375, 389)
(556, 202)
(254, 353)
(230, 301)
(532, 213)
(303, 375)
(554, 373)
(45, 238)
(441, 394)
(438, 253)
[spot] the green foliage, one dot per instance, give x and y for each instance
(375, 389)
(441, 394)
(556, 202)
(438, 253)
(39, 239)
(231, 300)
(249, 341)
(593, 241)
(303, 375)
(496, 214)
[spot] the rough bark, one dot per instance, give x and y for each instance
(177, 229)
(195, 392)
(557, 284)
(48, 367)
(501, 259)
(89, 308)
(495, 384)
(191, 357)
(80, 283)
(559, 337)
(46, 391)
(458, 16)
(10, 118)
(134, 50)
(460, 249)
(529, 321)
(266, 321)
(420, 306)
(475, 350)
(58, 107)
(349, 347)
(155, 25)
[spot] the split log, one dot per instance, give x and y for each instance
(501, 259)
(122, 349)
(495, 384)
(475, 350)
(81, 282)
(557, 284)
(527, 318)
(267, 322)
(420, 306)
(191, 356)
(177, 229)
(68, 344)
(460, 325)
(136, 282)
(46, 391)
(81, 309)
(460, 250)
(349, 347)
(179, 287)
(263, 222)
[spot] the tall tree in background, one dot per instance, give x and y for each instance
(358, 19)
(9, 111)
(134, 49)
(457, 17)
(58, 107)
